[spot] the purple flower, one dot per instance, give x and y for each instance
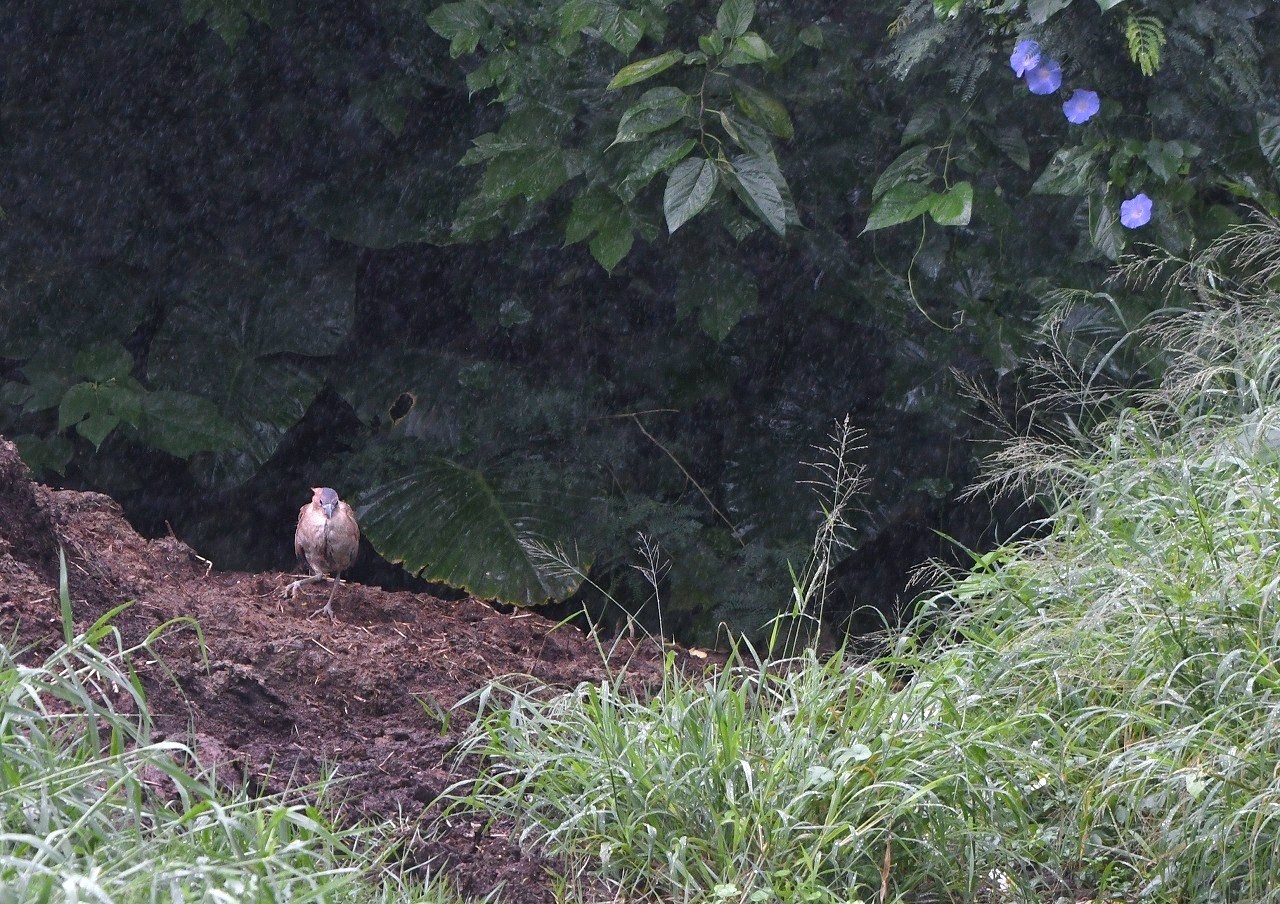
(1082, 106)
(1045, 78)
(1025, 56)
(1135, 212)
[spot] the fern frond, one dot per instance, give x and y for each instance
(1145, 36)
(965, 80)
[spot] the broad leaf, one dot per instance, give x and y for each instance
(909, 166)
(1105, 231)
(95, 409)
(898, 205)
(183, 424)
(1070, 172)
(689, 189)
(612, 243)
(953, 207)
(448, 523)
(1105, 5)
(598, 215)
(1269, 139)
(719, 295)
(459, 23)
(763, 109)
(663, 157)
(748, 49)
(657, 109)
(576, 15)
(1041, 10)
(639, 71)
(622, 29)
(759, 191)
(1013, 145)
(103, 361)
(734, 17)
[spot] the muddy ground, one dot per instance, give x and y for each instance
(283, 696)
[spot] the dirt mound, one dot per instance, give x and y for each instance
(281, 697)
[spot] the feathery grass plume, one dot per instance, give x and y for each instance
(1094, 711)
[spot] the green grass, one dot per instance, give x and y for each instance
(91, 810)
(1094, 713)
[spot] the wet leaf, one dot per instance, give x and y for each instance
(656, 109)
(898, 205)
(689, 189)
(639, 71)
(734, 17)
(448, 523)
(763, 109)
(953, 207)
(760, 191)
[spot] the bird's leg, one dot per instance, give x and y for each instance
(327, 608)
(292, 590)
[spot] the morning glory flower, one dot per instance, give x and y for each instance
(1025, 56)
(1135, 212)
(1045, 78)
(1081, 107)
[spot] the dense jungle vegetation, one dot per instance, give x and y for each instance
(536, 282)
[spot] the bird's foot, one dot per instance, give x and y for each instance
(326, 609)
(291, 590)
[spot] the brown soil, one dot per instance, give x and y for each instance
(282, 697)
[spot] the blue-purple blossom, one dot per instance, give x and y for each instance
(1026, 56)
(1045, 78)
(1135, 212)
(1082, 106)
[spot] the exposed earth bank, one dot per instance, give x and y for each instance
(280, 696)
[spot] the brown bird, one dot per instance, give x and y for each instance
(327, 540)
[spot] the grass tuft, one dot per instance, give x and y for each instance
(1093, 713)
(93, 810)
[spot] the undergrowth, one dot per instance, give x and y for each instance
(93, 810)
(1090, 714)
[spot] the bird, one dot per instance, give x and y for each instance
(327, 540)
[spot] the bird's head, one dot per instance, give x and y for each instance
(326, 498)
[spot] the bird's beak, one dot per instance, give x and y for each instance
(329, 508)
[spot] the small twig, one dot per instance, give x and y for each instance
(683, 470)
(323, 647)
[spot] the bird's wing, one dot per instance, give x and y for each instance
(300, 535)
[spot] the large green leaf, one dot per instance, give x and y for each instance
(899, 204)
(621, 28)
(763, 109)
(953, 207)
(1070, 172)
(95, 409)
(461, 24)
(909, 166)
(689, 189)
(719, 295)
(447, 523)
(753, 182)
(662, 157)
(643, 69)
(1105, 231)
(656, 109)
(734, 17)
(183, 424)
